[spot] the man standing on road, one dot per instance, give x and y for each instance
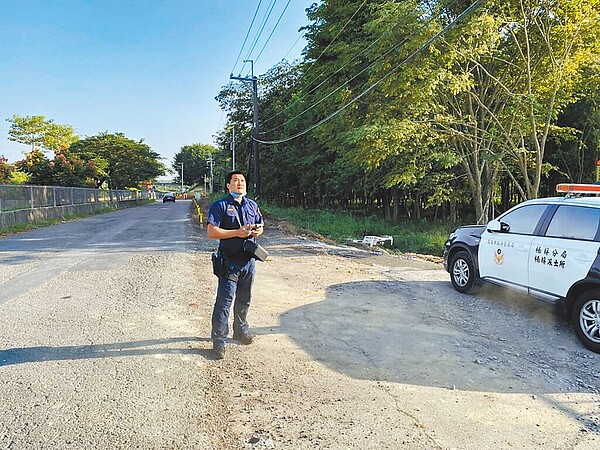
(233, 220)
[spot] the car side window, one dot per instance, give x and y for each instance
(524, 220)
(574, 222)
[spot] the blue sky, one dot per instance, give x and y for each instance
(147, 68)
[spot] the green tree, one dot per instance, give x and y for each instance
(37, 166)
(351, 44)
(65, 168)
(18, 177)
(5, 169)
(278, 162)
(573, 147)
(119, 162)
(535, 70)
(236, 99)
(42, 132)
(400, 106)
(194, 159)
(490, 91)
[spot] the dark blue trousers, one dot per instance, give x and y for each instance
(236, 284)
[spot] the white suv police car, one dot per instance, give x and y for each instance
(547, 248)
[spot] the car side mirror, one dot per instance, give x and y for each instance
(495, 226)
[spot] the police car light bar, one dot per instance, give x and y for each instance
(578, 188)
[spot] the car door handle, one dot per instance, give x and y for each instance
(522, 248)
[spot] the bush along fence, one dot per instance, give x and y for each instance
(29, 204)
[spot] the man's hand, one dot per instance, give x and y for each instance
(246, 231)
(254, 230)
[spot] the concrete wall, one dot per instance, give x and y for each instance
(12, 218)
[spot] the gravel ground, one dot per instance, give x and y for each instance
(110, 348)
(360, 350)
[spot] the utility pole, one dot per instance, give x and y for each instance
(210, 162)
(254, 81)
(233, 149)
(182, 177)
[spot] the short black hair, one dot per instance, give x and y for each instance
(232, 173)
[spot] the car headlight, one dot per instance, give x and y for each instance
(449, 241)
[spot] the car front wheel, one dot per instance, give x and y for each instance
(462, 273)
(586, 319)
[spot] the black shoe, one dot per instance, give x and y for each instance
(245, 338)
(219, 352)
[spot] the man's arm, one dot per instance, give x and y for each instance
(214, 232)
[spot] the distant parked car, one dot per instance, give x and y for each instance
(170, 197)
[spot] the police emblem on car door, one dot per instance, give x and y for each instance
(505, 245)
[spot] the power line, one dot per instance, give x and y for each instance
(303, 95)
(246, 38)
(329, 45)
(272, 31)
(370, 88)
(336, 36)
(293, 45)
(414, 33)
(262, 27)
(300, 97)
(263, 24)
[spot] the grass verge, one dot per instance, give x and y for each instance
(423, 237)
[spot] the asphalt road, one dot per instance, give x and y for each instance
(101, 242)
(98, 345)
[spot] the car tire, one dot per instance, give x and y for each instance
(585, 318)
(462, 273)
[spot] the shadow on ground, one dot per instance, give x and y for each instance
(170, 346)
(425, 333)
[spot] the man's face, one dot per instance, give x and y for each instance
(237, 184)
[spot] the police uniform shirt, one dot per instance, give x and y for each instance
(224, 213)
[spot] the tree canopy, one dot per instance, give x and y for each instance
(111, 160)
(447, 109)
(119, 162)
(40, 132)
(194, 158)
